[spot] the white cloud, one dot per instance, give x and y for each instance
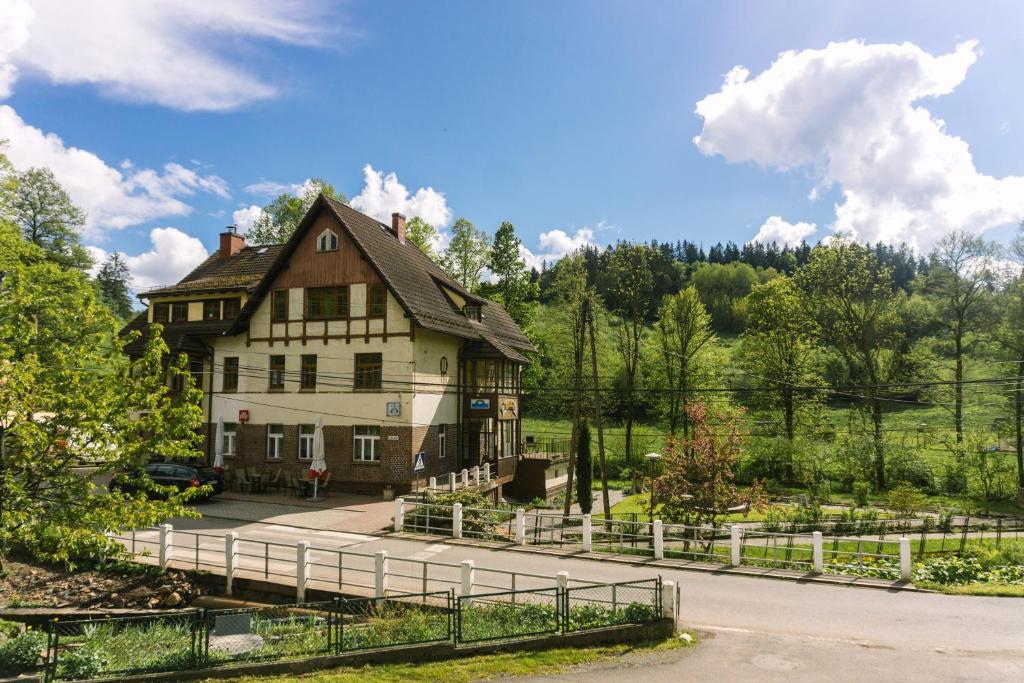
(112, 198)
(270, 188)
(175, 54)
(554, 244)
(15, 18)
(384, 194)
(777, 230)
(245, 217)
(851, 112)
(173, 255)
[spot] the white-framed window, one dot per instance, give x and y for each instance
(275, 441)
(327, 241)
(442, 440)
(228, 442)
(366, 444)
(306, 442)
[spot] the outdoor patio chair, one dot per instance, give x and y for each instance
(291, 484)
(229, 479)
(322, 486)
(272, 480)
(242, 480)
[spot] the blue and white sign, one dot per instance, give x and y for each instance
(421, 462)
(479, 404)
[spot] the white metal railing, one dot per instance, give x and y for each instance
(473, 477)
(730, 545)
(314, 567)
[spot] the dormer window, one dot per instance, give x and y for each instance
(327, 241)
(473, 312)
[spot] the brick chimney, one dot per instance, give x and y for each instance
(398, 226)
(230, 243)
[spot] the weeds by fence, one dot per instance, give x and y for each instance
(112, 647)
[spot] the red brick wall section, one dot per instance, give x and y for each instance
(394, 468)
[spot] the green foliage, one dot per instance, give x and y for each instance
(280, 217)
(905, 501)
(423, 235)
(82, 663)
(584, 470)
(861, 491)
(724, 287)
(74, 397)
(851, 298)
(698, 485)
(44, 212)
(515, 291)
(466, 254)
(112, 283)
(21, 653)
(683, 336)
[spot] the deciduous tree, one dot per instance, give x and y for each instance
(69, 397)
(852, 299)
(778, 351)
(697, 485)
(280, 217)
(683, 332)
(466, 254)
(514, 289)
(961, 283)
(422, 234)
(632, 296)
(48, 218)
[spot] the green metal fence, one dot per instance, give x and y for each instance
(113, 647)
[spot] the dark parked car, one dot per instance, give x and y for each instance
(178, 475)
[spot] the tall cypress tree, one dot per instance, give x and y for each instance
(584, 470)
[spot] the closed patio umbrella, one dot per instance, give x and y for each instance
(218, 446)
(318, 467)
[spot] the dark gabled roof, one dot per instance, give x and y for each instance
(243, 271)
(179, 337)
(413, 278)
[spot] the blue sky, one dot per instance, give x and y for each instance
(561, 116)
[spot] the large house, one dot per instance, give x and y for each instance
(351, 323)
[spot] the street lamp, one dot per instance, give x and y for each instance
(652, 463)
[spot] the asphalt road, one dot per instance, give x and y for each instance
(769, 628)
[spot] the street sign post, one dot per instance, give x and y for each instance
(419, 465)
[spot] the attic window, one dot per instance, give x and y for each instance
(473, 312)
(327, 241)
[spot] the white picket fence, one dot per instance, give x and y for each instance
(733, 545)
(473, 477)
(379, 574)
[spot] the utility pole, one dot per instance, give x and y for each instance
(597, 410)
(579, 342)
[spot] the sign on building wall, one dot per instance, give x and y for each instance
(394, 409)
(243, 415)
(479, 404)
(508, 408)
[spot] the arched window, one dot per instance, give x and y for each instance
(327, 241)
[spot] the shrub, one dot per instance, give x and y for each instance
(9, 629)
(954, 478)
(861, 490)
(21, 653)
(82, 663)
(906, 501)
(909, 468)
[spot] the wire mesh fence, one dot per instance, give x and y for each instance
(627, 602)
(95, 648)
(509, 615)
(196, 639)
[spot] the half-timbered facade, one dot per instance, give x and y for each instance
(350, 323)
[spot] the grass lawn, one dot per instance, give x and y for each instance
(484, 667)
(639, 504)
(996, 590)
